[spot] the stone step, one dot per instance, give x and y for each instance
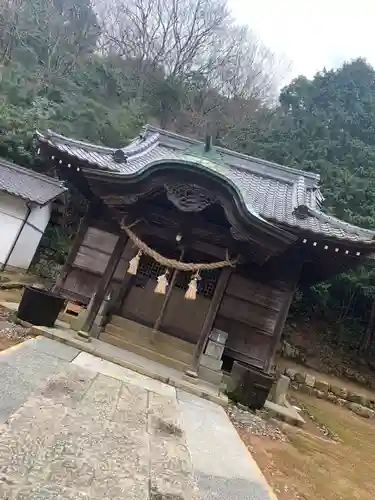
(144, 331)
(211, 376)
(143, 351)
(159, 345)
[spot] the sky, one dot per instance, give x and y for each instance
(312, 34)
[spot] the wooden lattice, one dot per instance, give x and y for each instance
(206, 285)
(150, 269)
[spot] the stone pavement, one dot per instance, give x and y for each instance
(90, 429)
(25, 366)
(88, 436)
(222, 465)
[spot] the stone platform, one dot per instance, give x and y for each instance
(87, 428)
(131, 360)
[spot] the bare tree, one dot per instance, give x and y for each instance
(193, 41)
(8, 23)
(50, 33)
(171, 33)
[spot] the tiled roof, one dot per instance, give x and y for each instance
(27, 184)
(281, 195)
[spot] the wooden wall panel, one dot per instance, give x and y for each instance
(100, 240)
(80, 285)
(261, 294)
(91, 261)
(81, 282)
(249, 313)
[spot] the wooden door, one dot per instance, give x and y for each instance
(182, 318)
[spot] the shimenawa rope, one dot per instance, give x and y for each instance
(173, 263)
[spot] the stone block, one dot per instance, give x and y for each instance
(300, 378)
(310, 380)
(279, 390)
(331, 397)
(361, 379)
(322, 386)
(214, 350)
(210, 362)
(218, 336)
(211, 376)
(287, 414)
(320, 394)
(77, 323)
(291, 373)
(360, 410)
(338, 391)
(341, 402)
(355, 397)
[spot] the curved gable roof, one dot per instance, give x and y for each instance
(285, 196)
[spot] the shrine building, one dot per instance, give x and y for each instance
(186, 242)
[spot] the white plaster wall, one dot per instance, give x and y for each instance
(13, 211)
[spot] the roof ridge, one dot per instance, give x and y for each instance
(235, 154)
(141, 145)
(76, 142)
(31, 173)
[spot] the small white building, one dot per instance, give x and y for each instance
(25, 208)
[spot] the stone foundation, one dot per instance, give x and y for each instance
(358, 403)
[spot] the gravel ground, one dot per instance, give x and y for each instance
(255, 424)
(10, 333)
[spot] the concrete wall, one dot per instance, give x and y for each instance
(13, 211)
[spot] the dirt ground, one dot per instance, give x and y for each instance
(11, 334)
(310, 466)
(6, 343)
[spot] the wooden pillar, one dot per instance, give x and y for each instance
(78, 240)
(210, 318)
(168, 295)
(122, 294)
(102, 286)
(279, 327)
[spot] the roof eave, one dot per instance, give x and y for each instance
(31, 200)
(366, 245)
